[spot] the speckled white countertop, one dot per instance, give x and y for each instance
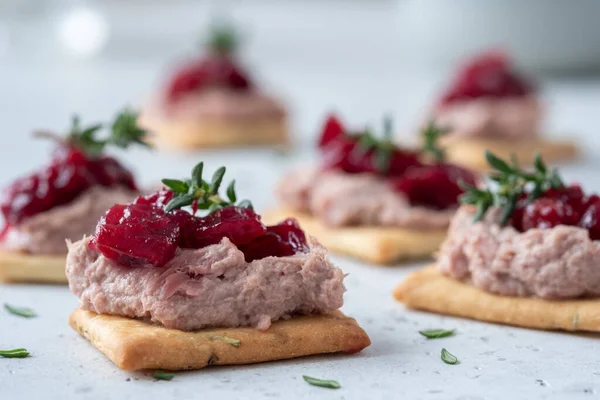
(496, 362)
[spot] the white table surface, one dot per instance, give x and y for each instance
(496, 362)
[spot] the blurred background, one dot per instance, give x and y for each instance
(361, 58)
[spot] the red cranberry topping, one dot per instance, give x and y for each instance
(216, 70)
(487, 75)
(564, 206)
(136, 235)
(142, 234)
(433, 186)
(281, 240)
(331, 130)
(590, 219)
(70, 173)
(344, 153)
(240, 225)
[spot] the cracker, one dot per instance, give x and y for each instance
(375, 244)
(429, 290)
(471, 152)
(132, 344)
(18, 267)
(211, 133)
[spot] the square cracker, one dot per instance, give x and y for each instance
(18, 268)
(471, 152)
(213, 133)
(429, 290)
(376, 244)
(132, 344)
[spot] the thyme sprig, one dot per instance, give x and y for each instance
(201, 194)
(511, 184)
(382, 148)
(124, 132)
(223, 38)
(431, 134)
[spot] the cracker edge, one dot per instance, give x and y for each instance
(471, 152)
(379, 245)
(429, 290)
(134, 345)
(24, 268)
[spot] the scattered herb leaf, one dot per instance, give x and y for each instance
(162, 375)
(511, 184)
(20, 311)
(322, 382)
(382, 148)
(15, 353)
(437, 333)
(448, 357)
(231, 341)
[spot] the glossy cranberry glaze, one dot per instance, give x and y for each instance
(69, 174)
(216, 70)
(566, 206)
(487, 75)
(433, 186)
(142, 234)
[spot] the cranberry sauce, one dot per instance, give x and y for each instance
(69, 174)
(434, 186)
(142, 234)
(216, 70)
(487, 75)
(565, 206)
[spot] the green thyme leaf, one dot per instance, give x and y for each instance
(176, 185)
(160, 375)
(431, 135)
(217, 178)
(437, 333)
(197, 174)
(246, 204)
(231, 192)
(15, 353)
(329, 384)
(448, 357)
(497, 163)
(513, 186)
(231, 341)
(179, 202)
(125, 130)
(223, 38)
(20, 311)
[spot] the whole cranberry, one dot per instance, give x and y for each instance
(281, 240)
(433, 186)
(545, 212)
(136, 235)
(590, 219)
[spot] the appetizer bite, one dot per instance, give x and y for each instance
(371, 199)
(523, 252)
(212, 102)
(490, 106)
(162, 288)
(64, 199)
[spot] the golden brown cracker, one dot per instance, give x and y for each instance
(376, 244)
(471, 152)
(213, 133)
(429, 290)
(18, 267)
(132, 344)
